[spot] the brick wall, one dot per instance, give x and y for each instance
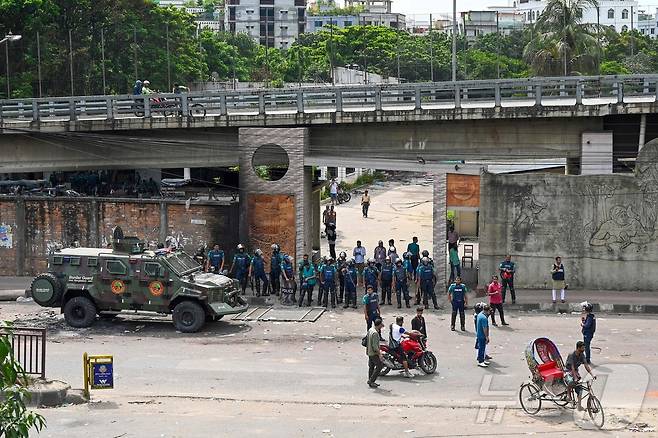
(7, 240)
(89, 221)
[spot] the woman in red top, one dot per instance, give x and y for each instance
(496, 300)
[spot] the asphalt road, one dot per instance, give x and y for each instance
(304, 379)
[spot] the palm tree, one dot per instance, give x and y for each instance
(561, 42)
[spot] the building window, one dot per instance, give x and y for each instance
(624, 14)
(266, 2)
(642, 30)
(624, 28)
(318, 23)
(347, 23)
(611, 13)
(653, 31)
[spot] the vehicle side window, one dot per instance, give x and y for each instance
(58, 260)
(75, 261)
(92, 261)
(152, 269)
(116, 267)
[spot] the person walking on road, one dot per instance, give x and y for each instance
(507, 269)
(331, 239)
(557, 275)
(333, 191)
(414, 250)
(341, 267)
(588, 325)
(370, 306)
(325, 217)
(418, 323)
(482, 336)
(375, 363)
(332, 216)
(496, 300)
(359, 253)
(457, 297)
(455, 265)
(365, 203)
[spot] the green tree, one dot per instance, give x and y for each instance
(15, 420)
(561, 42)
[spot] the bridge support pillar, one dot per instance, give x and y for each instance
(439, 232)
(275, 211)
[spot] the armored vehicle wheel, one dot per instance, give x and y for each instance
(188, 317)
(79, 312)
(46, 290)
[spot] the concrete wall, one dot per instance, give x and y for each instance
(296, 183)
(30, 227)
(603, 226)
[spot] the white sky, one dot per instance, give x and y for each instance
(445, 6)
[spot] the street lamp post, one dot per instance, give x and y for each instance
(7, 39)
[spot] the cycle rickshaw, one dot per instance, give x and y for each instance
(551, 382)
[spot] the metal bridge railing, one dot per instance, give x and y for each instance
(29, 346)
(559, 91)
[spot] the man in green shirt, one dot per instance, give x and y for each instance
(374, 353)
(414, 249)
(455, 265)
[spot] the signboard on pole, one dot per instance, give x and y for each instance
(98, 372)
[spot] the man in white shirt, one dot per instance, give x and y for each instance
(397, 332)
(333, 191)
(359, 254)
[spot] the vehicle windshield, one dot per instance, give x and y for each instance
(182, 263)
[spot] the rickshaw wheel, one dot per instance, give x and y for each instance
(530, 398)
(595, 411)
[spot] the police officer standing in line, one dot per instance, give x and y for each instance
(323, 262)
(328, 276)
(240, 267)
(351, 275)
(288, 272)
(307, 277)
(257, 272)
(371, 275)
(341, 265)
(400, 281)
(425, 281)
(215, 260)
(386, 280)
(275, 269)
(457, 297)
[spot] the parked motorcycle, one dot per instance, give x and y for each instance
(415, 349)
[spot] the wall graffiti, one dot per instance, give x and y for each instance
(527, 210)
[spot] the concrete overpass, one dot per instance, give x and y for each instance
(396, 126)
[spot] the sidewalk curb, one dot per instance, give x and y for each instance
(573, 307)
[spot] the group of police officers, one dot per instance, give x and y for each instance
(337, 280)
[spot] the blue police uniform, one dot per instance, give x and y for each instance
(458, 293)
(426, 276)
(215, 258)
(258, 271)
(351, 279)
(328, 276)
(507, 270)
(241, 268)
(275, 272)
(401, 285)
(370, 276)
(386, 280)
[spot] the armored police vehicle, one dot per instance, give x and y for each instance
(85, 282)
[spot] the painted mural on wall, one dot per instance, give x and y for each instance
(6, 236)
(601, 225)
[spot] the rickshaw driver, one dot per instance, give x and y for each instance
(572, 377)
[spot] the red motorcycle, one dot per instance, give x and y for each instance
(415, 349)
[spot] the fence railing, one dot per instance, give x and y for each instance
(29, 346)
(546, 92)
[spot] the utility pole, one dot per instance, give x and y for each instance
(71, 59)
(103, 59)
(168, 60)
(631, 34)
(135, 51)
(498, 44)
(331, 50)
(431, 52)
(39, 63)
(454, 40)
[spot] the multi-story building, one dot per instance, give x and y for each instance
(647, 24)
(374, 13)
(275, 23)
(621, 15)
(378, 6)
(318, 22)
(494, 20)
